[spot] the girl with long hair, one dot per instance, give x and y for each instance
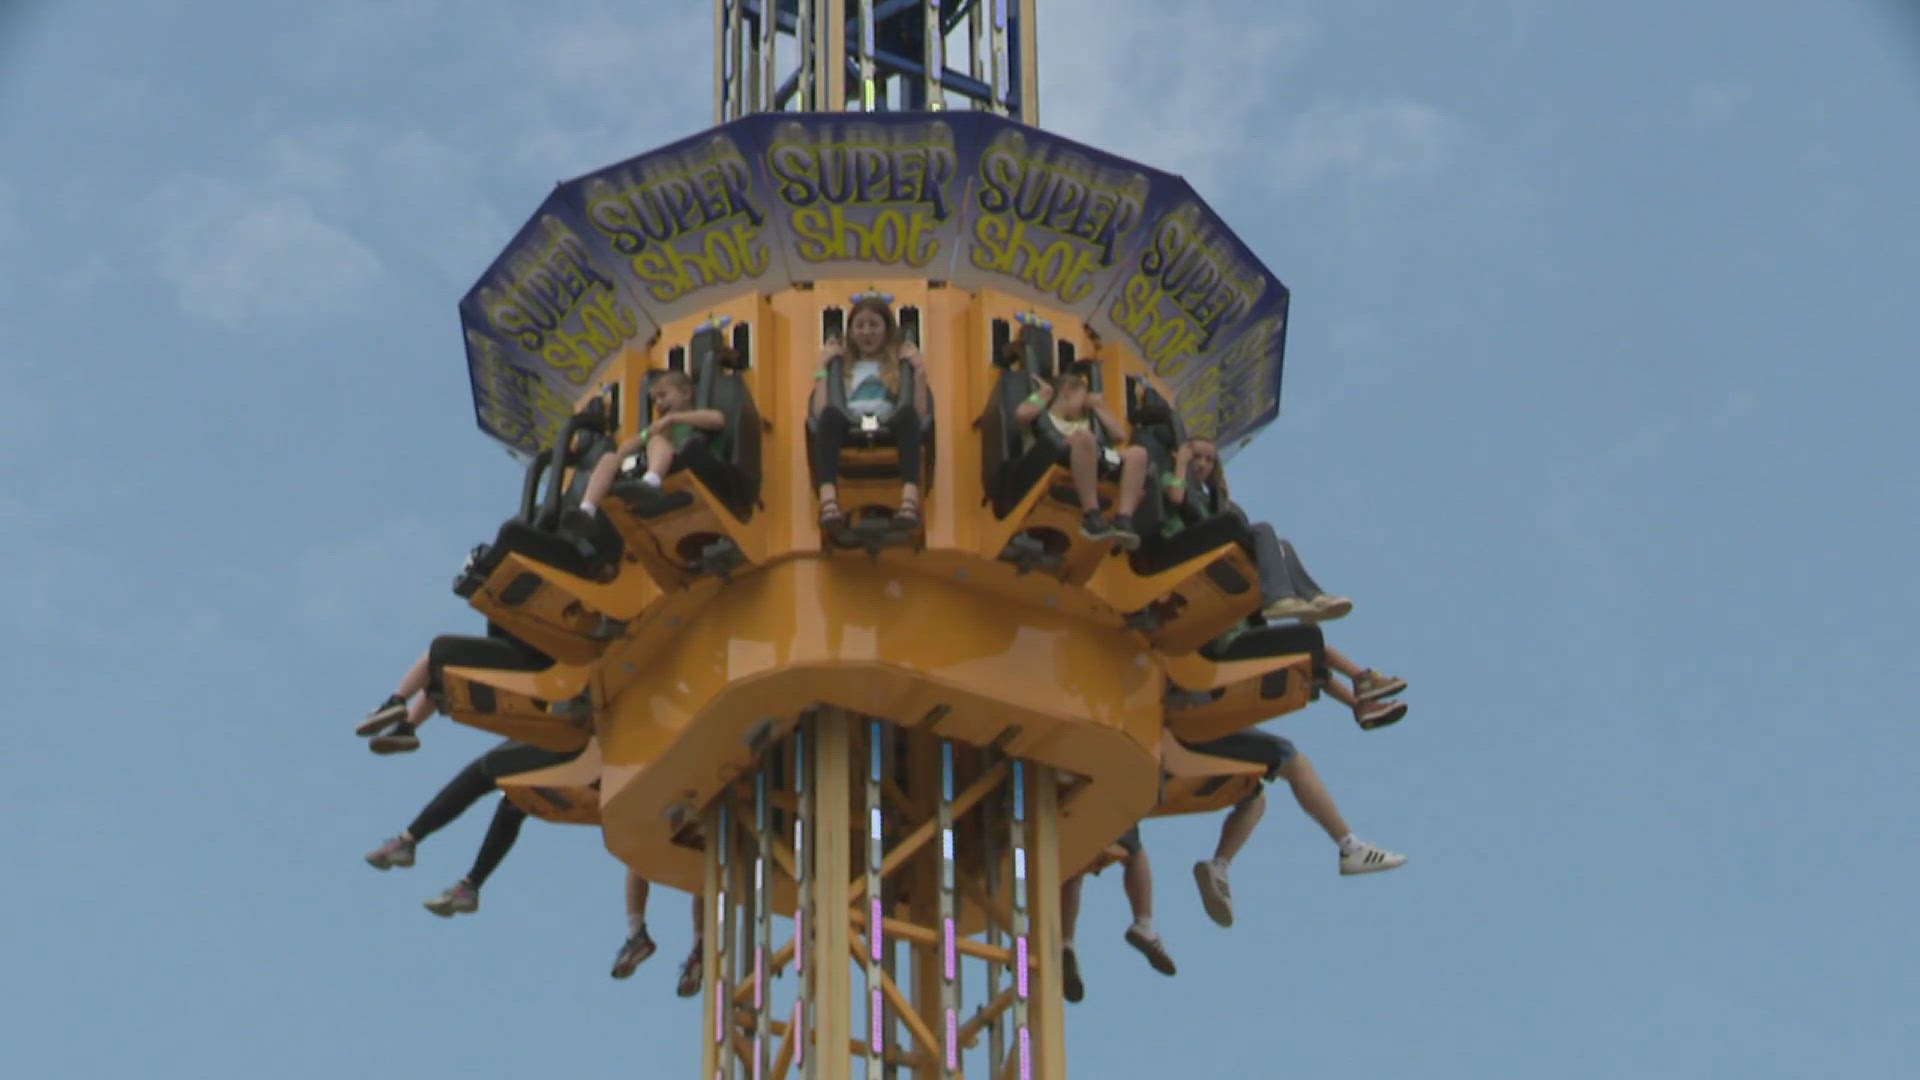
(872, 360)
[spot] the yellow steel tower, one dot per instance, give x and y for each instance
(873, 750)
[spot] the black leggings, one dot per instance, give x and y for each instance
(496, 651)
(830, 437)
(471, 785)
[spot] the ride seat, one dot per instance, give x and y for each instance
(869, 480)
(1289, 662)
(1196, 783)
(681, 529)
(489, 684)
(535, 581)
(1026, 475)
(565, 794)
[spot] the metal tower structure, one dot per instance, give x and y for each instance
(868, 56)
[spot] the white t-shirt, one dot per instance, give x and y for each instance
(868, 394)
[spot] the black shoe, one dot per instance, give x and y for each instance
(1070, 985)
(401, 740)
(594, 537)
(391, 711)
(1124, 533)
(1094, 525)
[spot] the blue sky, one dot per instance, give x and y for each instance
(1598, 402)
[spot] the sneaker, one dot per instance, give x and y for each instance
(1152, 948)
(1288, 607)
(1071, 987)
(391, 711)
(400, 740)
(689, 983)
(395, 852)
(1364, 858)
(1372, 686)
(632, 954)
(1215, 896)
(593, 536)
(1328, 608)
(460, 898)
(1379, 714)
(1094, 525)
(1123, 532)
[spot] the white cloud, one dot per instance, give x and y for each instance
(237, 255)
(1391, 138)
(1136, 81)
(604, 84)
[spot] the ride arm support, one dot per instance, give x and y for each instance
(922, 393)
(1108, 422)
(704, 419)
(1174, 487)
(1036, 403)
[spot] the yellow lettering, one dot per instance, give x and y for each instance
(1162, 340)
(893, 237)
(1063, 268)
(717, 256)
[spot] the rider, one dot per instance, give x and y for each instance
(1137, 880)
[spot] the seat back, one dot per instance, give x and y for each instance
(1009, 462)
(732, 469)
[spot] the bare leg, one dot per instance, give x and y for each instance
(600, 481)
(1133, 479)
(1341, 693)
(1238, 828)
(420, 710)
(415, 679)
(637, 890)
(1343, 664)
(659, 454)
(1083, 455)
(1313, 797)
(1138, 882)
(639, 944)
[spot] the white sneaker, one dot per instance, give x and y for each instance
(1364, 858)
(1215, 895)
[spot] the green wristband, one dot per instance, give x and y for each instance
(1036, 399)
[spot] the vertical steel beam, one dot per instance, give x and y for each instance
(935, 55)
(876, 852)
(762, 913)
(801, 1026)
(1029, 65)
(869, 97)
(833, 779)
(949, 944)
(1046, 1020)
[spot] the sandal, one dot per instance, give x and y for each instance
(690, 974)
(908, 515)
